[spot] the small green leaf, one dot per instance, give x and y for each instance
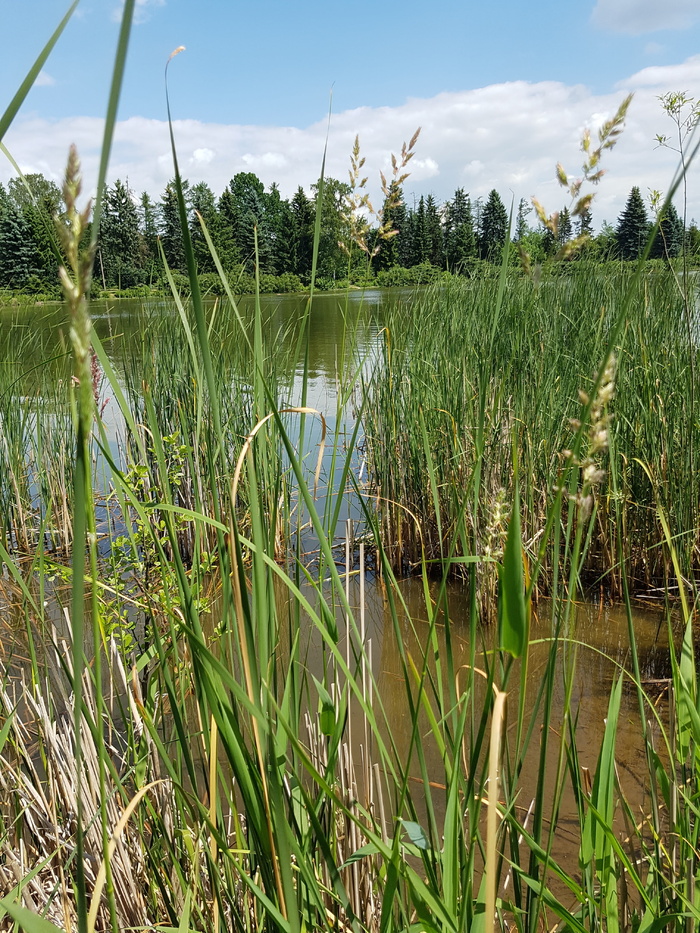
(362, 852)
(327, 714)
(416, 834)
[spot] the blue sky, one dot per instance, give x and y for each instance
(503, 89)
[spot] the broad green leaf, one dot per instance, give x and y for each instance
(513, 614)
(27, 920)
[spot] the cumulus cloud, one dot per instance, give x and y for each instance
(202, 156)
(506, 136)
(44, 79)
(639, 16)
(141, 12)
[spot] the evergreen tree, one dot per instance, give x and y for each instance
(435, 252)
(170, 229)
(521, 225)
(302, 233)
(668, 241)
(38, 200)
(632, 227)
(242, 206)
(393, 249)
(420, 236)
(565, 227)
(16, 253)
(460, 239)
(120, 251)
(584, 223)
(148, 225)
(278, 230)
(494, 227)
(203, 204)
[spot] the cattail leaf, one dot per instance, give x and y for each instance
(33, 73)
(27, 920)
(513, 610)
(327, 715)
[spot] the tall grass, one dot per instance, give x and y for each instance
(237, 769)
(447, 403)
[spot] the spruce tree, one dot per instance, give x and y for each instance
(16, 251)
(435, 251)
(148, 225)
(521, 225)
(120, 251)
(584, 223)
(170, 229)
(242, 206)
(668, 242)
(393, 249)
(278, 228)
(632, 227)
(302, 216)
(494, 227)
(460, 239)
(565, 227)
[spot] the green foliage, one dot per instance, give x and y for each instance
(120, 250)
(632, 227)
(493, 227)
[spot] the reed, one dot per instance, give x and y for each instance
(446, 402)
(234, 764)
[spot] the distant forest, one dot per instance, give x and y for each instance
(463, 235)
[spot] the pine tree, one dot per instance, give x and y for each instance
(494, 227)
(420, 238)
(392, 249)
(460, 239)
(435, 251)
(521, 225)
(668, 241)
(584, 223)
(203, 204)
(632, 227)
(242, 206)
(332, 257)
(302, 215)
(565, 227)
(170, 229)
(120, 251)
(38, 200)
(148, 225)
(278, 229)
(16, 251)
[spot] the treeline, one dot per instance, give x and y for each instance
(246, 221)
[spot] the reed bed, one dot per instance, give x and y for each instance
(233, 764)
(457, 391)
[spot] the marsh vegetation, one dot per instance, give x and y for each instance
(197, 730)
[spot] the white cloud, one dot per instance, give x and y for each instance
(202, 156)
(141, 12)
(44, 79)
(639, 16)
(505, 136)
